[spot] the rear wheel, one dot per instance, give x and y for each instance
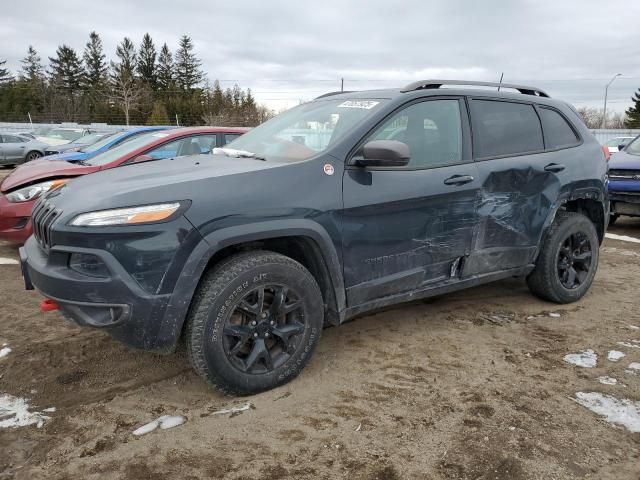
(568, 259)
(254, 322)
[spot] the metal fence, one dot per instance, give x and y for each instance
(604, 135)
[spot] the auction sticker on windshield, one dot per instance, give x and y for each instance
(366, 104)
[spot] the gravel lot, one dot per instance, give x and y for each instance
(465, 386)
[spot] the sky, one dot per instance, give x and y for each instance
(291, 51)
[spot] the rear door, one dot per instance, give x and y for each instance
(519, 183)
(406, 228)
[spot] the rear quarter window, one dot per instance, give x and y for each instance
(557, 131)
(505, 128)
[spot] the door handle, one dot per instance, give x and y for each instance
(554, 167)
(22, 147)
(458, 180)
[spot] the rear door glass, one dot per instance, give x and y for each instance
(557, 132)
(504, 128)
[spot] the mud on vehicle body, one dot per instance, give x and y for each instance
(346, 204)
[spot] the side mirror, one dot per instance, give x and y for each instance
(621, 147)
(142, 158)
(384, 153)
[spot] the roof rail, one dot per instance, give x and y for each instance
(434, 84)
(333, 93)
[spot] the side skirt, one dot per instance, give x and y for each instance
(449, 286)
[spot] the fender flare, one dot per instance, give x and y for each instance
(175, 314)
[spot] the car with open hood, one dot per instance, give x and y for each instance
(20, 189)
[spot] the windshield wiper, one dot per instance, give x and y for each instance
(232, 152)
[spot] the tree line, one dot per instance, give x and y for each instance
(139, 86)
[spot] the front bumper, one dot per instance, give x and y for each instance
(15, 220)
(117, 304)
(625, 203)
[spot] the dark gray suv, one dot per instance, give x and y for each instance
(342, 205)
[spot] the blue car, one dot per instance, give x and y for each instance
(624, 181)
(103, 145)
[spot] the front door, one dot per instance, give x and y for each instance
(13, 148)
(406, 228)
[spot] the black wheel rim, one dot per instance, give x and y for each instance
(32, 156)
(574, 260)
(265, 329)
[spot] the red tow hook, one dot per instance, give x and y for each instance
(48, 305)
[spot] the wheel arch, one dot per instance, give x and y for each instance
(302, 240)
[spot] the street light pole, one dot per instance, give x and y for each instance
(606, 91)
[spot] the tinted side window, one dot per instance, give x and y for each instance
(557, 132)
(504, 128)
(432, 130)
(13, 139)
(230, 137)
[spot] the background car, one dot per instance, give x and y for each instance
(624, 182)
(78, 143)
(615, 143)
(60, 136)
(15, 148)
(20, 190)
(102, 145)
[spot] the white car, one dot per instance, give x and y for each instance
(614, 143)
(61, 136)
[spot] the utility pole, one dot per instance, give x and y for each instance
(342, 84)
(606, 91)
(500, 83)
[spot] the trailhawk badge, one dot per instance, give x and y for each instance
(328, 169)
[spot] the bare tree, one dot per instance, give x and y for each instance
(126, 93)
(592, 117)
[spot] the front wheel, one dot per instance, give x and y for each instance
(32, 156)
(567, 261)
(254, 323)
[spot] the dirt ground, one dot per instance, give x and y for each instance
(464, 386)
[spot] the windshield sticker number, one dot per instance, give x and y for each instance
(366, 104)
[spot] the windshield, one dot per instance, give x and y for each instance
(89, 139)
(634, 147)
(123, 149)
(306, 130)
(65, 134)
(97, 145)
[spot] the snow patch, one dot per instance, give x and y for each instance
(554, 315)
(4, 351)
(634, 366)
(586, 359)
(8, 261)
(621, 412)
(633, 327)
(164, 422)
(607, 380)
(629, 344)
(14, 412)
(615, 355)
(623, 238)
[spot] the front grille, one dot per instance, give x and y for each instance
(618, 174)
(42, 217)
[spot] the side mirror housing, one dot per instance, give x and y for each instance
(384, 153)
(142, 158)
(621, 147)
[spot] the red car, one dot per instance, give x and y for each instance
(21, 189)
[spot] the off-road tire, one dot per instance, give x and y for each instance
(224, 287)
(544, 281)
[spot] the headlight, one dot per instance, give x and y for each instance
(34, 191)
(126, 216)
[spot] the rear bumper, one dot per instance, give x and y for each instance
(116, 304)
(15, 220)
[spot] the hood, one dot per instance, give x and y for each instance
(69, 156)
(161, 180)
(43, 170)
(52, 141)
(624, 161)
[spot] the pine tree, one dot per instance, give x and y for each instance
(66, 70)
(164, 69)
(187, 65)
(32, 69)
(94, 60)
(147, 61)
(5, 74)
(633, 113)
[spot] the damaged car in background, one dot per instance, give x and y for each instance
(337, 207)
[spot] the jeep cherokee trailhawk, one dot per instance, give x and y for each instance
(348, 203)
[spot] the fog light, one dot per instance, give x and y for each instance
(88, 264)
